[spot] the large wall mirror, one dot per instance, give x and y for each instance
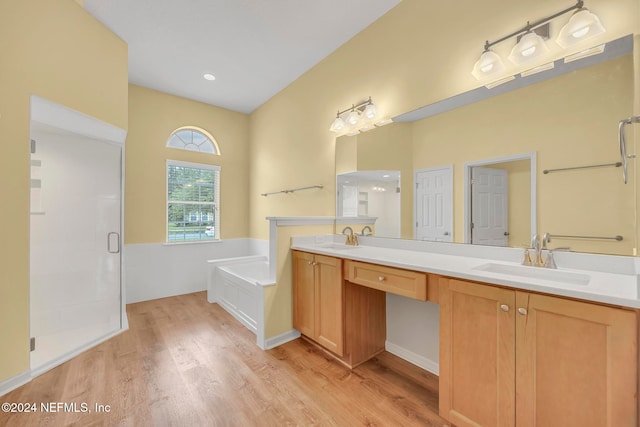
(497, 170)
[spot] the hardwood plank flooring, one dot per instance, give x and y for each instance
(185, 362)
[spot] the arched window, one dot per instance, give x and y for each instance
(192, 138)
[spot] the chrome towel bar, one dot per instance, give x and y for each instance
(292, 190)
(618, 237)
(617, 164)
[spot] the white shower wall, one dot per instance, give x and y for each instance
(75, 291)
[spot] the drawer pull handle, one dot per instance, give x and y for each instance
(381, 278)
(522, 311)
(504, 307)
(310, 262)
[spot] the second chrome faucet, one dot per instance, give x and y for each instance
(535, 256)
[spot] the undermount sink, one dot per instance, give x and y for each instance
(337, 246)
(536, 273)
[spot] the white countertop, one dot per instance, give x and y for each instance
(618, 287)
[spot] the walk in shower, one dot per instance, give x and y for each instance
(75, 240)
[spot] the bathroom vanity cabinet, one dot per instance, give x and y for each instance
(516, 358)
(318, 299)
(507, 357)
(331, 308)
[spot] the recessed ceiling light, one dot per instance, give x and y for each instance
(209, 76)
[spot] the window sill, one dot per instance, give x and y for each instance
(195, 242)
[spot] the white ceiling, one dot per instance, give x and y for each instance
(255, 48)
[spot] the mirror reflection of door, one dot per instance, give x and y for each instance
(434, 204)
(489, 207)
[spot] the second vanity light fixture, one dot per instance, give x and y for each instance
(531, 44)
(358, 118)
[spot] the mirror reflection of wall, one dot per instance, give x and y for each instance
(371, 194)
(569, 120)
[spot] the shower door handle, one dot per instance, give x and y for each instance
(109, 240)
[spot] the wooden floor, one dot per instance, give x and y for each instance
(185, 362)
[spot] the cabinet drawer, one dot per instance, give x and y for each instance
(388, 279)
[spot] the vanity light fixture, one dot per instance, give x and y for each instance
(531, 41)
(356, 118)
(489, 64)
(530, 47)
(582, 25)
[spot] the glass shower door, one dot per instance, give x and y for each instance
(75, 244)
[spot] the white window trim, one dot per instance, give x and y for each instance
(216, 189)
(201, 131)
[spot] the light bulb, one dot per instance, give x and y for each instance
(353, 118)
(581, 32)
(528, 51)
(530, 47)
(370, 112)
(582, 25)
(486, 68)
(337, 125)
(489, 65)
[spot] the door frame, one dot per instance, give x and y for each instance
(531, 156)
(415, 199)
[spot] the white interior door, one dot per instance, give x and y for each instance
(434, 204)
(75, 244)
(489, 206)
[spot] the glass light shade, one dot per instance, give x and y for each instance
(530, 47)
(370, 112)
(489, 65)
(353, 118)
(337, 125)
(582, 25)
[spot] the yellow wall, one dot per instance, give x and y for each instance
(153, 116)
(416, 54)
(570, 120)
(53, 49)
(278, 310)
(519, 201)
(389, 148)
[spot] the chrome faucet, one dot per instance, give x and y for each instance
(366, 227)
(352, 239)
(537, 250)
(537, 246)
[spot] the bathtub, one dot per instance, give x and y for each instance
(237, 285)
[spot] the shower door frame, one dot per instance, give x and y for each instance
(53, 114)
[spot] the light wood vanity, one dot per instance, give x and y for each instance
(507, 357)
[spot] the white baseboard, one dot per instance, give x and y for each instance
(411, 357)
(280, 339)
(14, 382)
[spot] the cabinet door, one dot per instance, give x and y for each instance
(329, 304)
(576, 363)
(304, 293)
(477, 354)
